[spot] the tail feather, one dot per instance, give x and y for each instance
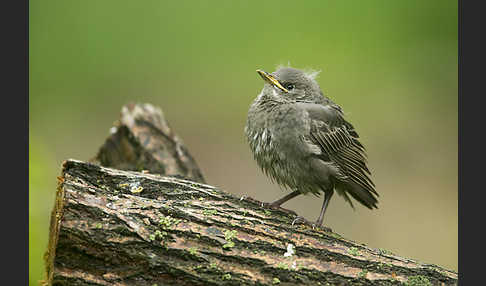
(360, 194)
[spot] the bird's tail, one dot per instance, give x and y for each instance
(362, 195)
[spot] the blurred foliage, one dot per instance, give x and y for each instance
(391, 65)
(42, 185)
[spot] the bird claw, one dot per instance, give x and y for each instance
(277, 207)
(302, 220)
(314, 225)
(267, 205)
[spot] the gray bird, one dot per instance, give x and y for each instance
(301, 140)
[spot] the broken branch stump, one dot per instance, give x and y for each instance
(143, 140)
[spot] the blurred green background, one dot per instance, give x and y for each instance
(391, 65)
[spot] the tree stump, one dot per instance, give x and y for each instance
(124, 227)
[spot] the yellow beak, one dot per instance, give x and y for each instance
(271, 80)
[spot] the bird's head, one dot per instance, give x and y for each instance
(289, 84)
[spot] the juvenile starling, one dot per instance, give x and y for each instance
(301, 140)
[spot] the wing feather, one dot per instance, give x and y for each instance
(339, 143)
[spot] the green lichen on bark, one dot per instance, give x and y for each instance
(418, 280)
(163, 236)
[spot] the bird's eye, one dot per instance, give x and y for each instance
(289, 86)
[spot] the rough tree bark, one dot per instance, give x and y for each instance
(124, 227)
(143, 140)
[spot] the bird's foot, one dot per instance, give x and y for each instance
(277, 207)
(314, 225)
(267, 205)
(303, 221)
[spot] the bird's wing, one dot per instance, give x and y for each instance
(339, 144)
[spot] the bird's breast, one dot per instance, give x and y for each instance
(278, 132)
(262, 145)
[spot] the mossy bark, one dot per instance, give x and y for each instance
(114, 227)
(144, 226)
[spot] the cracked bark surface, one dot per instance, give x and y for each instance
(122, 227)
(142, 140)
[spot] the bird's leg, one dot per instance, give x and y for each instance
(327, 198)
(299, 219)
(278, 202)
